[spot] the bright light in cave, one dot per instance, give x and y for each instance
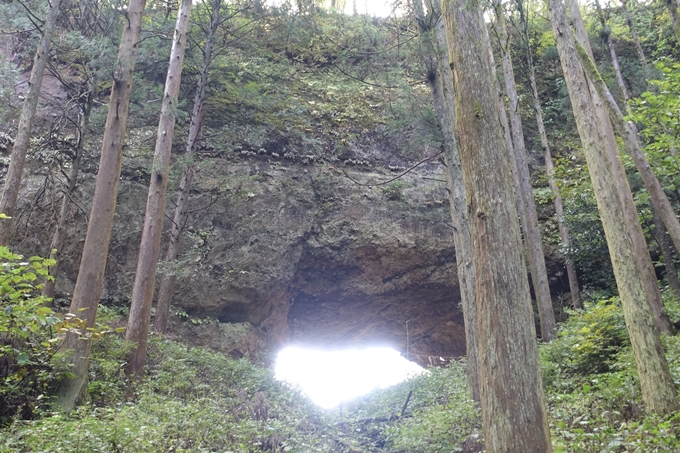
(330, 377)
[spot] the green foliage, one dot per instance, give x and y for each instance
(587, 344)
(592, 387)
(27, 329)
(587, 243)
(193, 400)
(30, 331)
(444, 414)
(658, 113)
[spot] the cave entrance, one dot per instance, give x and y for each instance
(333, 376)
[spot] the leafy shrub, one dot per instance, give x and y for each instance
(27, 329)
(605, 413)
(588, 343)
(194, 399)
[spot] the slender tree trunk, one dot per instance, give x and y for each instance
(600, 92)
(8, 201)
(576, 301)
(628, 130)
(660, 201)
(60, 232)
(95, 250)
(557, 198)
(636, 39)
(168, 279)
(622, 230)
(436, 56)
(535, 255)
(459, 215)
(513, 407)
(507, 135)
(673, 11)
(629, 133)
(666, 252)
(145, 278)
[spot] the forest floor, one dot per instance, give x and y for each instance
(198, 400)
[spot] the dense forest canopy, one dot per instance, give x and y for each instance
(552, 127)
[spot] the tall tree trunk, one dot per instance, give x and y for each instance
(629, 133)
(436, 56)
(666, 253)
(576, 301)
(557, 198)
(513, 406)
(507, 134)
(619, 219)
(145, 278)
(8, 201)
(636, 39)
(535, 255)
(673, 11)
(95, 250)
(60, 232)
(628, 130)
(168, 279)
(660, 201)
(510, 147)
(600, 91)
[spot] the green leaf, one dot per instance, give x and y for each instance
(23, 359)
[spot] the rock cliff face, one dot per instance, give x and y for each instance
(284, 250)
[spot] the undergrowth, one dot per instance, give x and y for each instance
(198, 400)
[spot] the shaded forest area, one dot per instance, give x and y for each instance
(532, 108)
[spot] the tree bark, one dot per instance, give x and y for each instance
(629, 133)
(60, 232)
(660, 201)
(535, 255)
(95, 250)
(10, 193)
(619, 219)
(168, 279)
(436, 56)
(145, 278)
(576, 301)
(628, 130)
(513, 406)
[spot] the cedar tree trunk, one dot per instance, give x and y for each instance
(659, 199)
(513, 405)
(168, 279)
(95, 250)
(145, 278)
(436, 56)
(8, 201)
(619, 219)
(576, 301)
(535, 255)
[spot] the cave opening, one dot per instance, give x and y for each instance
(331, 377)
